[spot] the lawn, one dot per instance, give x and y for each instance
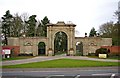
(114, 57)
(17, 58)
(63, 63)
(109, 57)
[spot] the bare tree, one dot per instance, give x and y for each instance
(106, 29)
(24, 17)
(17, 25)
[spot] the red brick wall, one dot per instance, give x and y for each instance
(113, 49)
(16, 49)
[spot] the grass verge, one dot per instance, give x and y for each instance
(109, 57)
(63, 63)
(17, 58)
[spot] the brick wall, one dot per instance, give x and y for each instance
(113, 49)
(16, 49)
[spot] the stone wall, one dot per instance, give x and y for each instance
(113, 49)
(29, 45)
(90, 44)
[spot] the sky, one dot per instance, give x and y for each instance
(84, 13)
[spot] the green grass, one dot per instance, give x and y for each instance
(93, 56)
(63, 63)
(17, 58)
(109, 57)
(114, 58)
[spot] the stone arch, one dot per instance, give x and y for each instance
(83, 44)
(61, 31)
(38, 40)
(60, 42)
(68, 29)
(41, 48)
(30, 44)
(79, 48)
(54, 33)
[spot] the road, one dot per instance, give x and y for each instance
(85, 72)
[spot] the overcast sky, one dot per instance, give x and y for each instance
(84, 13)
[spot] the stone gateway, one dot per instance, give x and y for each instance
(46, 45)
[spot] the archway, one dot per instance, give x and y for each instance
(41, 48)
(60, 43)
(79, 48)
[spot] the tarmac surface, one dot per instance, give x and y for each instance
(84, 72)
(45, 58)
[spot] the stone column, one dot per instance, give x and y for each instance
(86, 46)
(73, 40)
(68, 45)
(50, 37)
(71, 50)
(71, 37)
(50, 50)
(46, 48)
(35, 51)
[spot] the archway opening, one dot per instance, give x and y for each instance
(79, 48)
(41, 48)
(60, 43)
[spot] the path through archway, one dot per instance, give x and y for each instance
(79, 48)
(60, 43)
(41, 48)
